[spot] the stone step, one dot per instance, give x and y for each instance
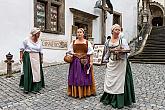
(153, 47)
(157, 31)
(159, 27)
(159, 35)
(147, 60)
(156, 44)
(156, 40)
(152, 52)
(154, 32)
(150, 56)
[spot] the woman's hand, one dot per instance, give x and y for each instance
(21, 60)
(84, 61)
(21, 57)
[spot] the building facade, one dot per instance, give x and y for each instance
(152, 11)
(58, 20)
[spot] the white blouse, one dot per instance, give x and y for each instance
(124, 44)
(29, 46)
(90, 49)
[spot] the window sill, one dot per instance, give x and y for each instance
(53, 32)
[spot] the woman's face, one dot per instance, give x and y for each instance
(117, 30)
(37, 34)
(80, 33)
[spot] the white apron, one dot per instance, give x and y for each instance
(35, 65)
(115, 76)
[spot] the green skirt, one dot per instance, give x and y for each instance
(26, 81)
(121, 100)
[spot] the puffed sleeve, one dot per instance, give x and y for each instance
(125, 44)
(90, 49)
(23, 45)
(70, 48)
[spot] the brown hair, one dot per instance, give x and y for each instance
(82, 29)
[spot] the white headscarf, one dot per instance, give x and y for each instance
(114, 26)
(34, 31)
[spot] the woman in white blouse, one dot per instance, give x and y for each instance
(118, 84)
(31, 55)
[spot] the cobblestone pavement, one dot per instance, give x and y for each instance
(149, 81)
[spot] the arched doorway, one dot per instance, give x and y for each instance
(157, 21)
(157, 14)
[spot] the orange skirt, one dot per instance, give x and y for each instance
(83, 91)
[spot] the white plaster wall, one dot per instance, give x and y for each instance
(86, 6)
(17, 19)
(128, 9)
(16, 22)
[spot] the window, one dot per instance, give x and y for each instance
(117, 18)
(49, 16)
(83, 20)
(41, 16)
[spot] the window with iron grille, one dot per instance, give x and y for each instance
(49, 16)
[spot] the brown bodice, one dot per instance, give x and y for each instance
(80, 50)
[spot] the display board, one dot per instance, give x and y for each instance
(98, 54)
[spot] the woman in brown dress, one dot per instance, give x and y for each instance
(81, 81)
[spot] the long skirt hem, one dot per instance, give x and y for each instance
(83, 91)
(26, 80)
(121, 100)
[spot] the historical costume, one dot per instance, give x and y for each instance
(32, 79)
(118, 85)
(81, 81)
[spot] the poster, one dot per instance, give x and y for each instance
(98, 54)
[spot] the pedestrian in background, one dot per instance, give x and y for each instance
(81, 81)
(31, 55)
(118, 84)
